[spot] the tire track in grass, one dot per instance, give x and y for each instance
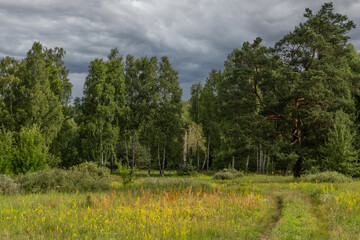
(297, 217)
(276, 217)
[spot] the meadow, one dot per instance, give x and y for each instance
(194, 207)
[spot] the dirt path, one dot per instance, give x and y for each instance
(276, 218)
(299, 214)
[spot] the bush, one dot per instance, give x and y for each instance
(328, 176)
(186, 170)
(228, 173)
(176, 183)
(126, 175)
(7, 185)
(83, 177)
(91, 169)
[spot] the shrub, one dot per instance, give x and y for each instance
(44, 181)
(126, 175)
(328, 176)
(186, 170)
(7, 185)
(228, 173)
(90, 168)
(176, 182)
(83, 177)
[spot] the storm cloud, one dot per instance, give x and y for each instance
(196, 35)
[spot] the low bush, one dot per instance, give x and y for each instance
(127, 176)
(329, 176)
(228, 173)
(83, 177)
(186, 170)
(176, 183)
(8, 185)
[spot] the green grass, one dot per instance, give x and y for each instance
(191, 207)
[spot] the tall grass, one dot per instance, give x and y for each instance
(178, 213)
(195, 207)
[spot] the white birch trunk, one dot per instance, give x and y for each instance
(185, 147)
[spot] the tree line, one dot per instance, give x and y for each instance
(290, 107)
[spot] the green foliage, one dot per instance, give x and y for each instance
(126, 174)
(339, 151)
(6, 151)
(8, 185)
(31, 153)
(228, 173)
(329, 176)
(66, 145)
(177, 183)
(84, 177)
(186, 170)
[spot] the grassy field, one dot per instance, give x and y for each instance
(252, 207)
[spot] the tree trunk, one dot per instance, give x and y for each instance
(105, 160)
(198, 157)
(112, 163)
(261, 157)
(297, 140)
(203, 165)
(149, 167)
(133, 151)
(164, 159)
(185, 147)
(159, 160)
(208, 154)
(257, 160)
(233, 162)
(298, 167)
(247, 163)
(264, 162)
(126, 152)
(101, 151)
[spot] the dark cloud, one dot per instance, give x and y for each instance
(196, 35)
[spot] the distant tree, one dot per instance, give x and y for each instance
(100, 106)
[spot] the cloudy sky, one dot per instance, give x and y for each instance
(196, 35)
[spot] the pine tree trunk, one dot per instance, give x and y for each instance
(298, 167)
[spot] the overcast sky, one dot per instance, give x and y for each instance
(196, 35)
